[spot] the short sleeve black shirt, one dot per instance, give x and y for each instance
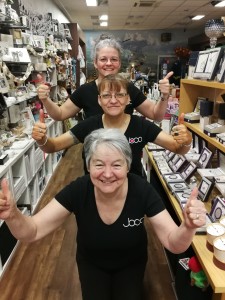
(86, 98)
(122, 242)
(139, 132)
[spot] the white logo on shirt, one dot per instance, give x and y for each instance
(132, 223)
(135, 140)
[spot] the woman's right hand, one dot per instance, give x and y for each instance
(39, 129)
(43, 89)
(7, 203)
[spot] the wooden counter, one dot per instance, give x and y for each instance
(216, 276)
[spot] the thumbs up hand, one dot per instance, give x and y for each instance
(180, 132)
(43, 89)
(40, 129)
(164, 85)
(7, 204)
(194, 211)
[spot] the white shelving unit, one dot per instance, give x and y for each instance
(27, 172)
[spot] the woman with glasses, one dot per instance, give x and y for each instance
(110, 206)
(113, 99)
(107, 60)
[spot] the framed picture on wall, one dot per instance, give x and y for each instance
(208, 63)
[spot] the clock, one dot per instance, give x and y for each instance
(213, 231)
(219, 252)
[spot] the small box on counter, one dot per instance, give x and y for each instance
(3, 159)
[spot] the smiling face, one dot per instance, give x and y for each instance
(107, 61)
(108, 169)
(116, 104)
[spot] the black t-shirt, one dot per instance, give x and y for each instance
(86, 98)
(139, 132)
(124, 241)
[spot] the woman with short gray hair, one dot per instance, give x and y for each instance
(109, 205)
(110, 137)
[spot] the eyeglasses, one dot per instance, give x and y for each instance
(118, 96)
(113, 60)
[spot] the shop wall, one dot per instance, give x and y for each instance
(43, 7)
(142, 48)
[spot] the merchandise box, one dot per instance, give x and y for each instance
(211, 173)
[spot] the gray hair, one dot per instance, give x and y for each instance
(111, 137)
(106, 41)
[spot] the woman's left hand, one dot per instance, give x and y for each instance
(194, 211)
(180, 132)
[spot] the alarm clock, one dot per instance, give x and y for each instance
(213, 231)
(219, 252)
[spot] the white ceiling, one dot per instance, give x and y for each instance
(140, 14)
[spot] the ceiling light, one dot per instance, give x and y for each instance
(91, 2)
(104, 23)
(218, 3)
(198, 17)
(103, 18)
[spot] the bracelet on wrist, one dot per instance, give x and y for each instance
(189, 145)
(45, 142)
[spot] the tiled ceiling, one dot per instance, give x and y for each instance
(140, 14)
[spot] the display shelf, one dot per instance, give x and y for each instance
(196, 129)
(191, 89)
(215, 275)
(27, 174)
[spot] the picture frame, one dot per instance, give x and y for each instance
(205, 157)
(182, 196)
(17, 55)
(4, 84)
(189, 170)
(218, 209)
(169, 155)
(174, 158)
(38, 41)
(205, 188)
(178, 164)
(178, 186)
(221, 72)
(174, 177)
(208, 63)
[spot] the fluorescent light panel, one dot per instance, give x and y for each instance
(104, 23)
(91, 2)
(220, 4)
(103, 18)
(198, 17)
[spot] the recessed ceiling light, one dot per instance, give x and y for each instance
(91, 2)
(198, 17)
(103, 18)
(104, 23)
